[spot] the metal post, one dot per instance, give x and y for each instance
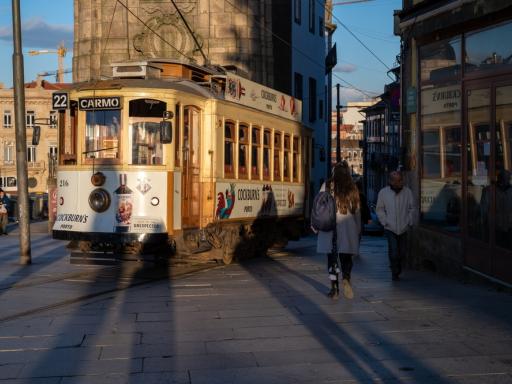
(21, 137)
(329, 106)
(338, 107)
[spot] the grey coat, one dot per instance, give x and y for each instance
(348, 228)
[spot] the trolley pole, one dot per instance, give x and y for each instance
(21, 137)
(338, 107)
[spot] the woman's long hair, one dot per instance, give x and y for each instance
(344, 188)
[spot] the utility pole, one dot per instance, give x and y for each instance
(21, 137)
(338, 107)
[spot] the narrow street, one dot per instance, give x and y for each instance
(263, 321)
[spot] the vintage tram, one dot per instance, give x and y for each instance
(167, 156)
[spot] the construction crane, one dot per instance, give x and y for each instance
(61, 53)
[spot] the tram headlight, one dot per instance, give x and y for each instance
(99, 200)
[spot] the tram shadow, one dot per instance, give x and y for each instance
(341, 345)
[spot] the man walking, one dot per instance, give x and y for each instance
(395, 210)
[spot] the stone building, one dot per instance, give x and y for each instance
(38, 110)
(228, 32)
(457, 131)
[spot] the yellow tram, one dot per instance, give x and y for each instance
(166, 153)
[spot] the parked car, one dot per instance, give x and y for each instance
(373, 227)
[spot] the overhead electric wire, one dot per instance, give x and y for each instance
(355, 37)
(152, 30)
(298, 50)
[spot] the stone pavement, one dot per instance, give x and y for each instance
(263, 321)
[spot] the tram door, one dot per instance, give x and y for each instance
(488, 197)
(190, 205)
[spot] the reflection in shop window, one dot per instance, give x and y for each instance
(489, 49)
(441, 61)
(441, 157)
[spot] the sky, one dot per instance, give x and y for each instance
(45, 24)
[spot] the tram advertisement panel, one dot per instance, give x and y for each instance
(127, 202)
(244, 200)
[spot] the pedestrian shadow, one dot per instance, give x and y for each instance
(349, 352)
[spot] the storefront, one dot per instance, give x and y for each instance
(463, 144)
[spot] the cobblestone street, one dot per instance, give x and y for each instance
(267, 320)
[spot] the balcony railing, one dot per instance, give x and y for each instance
(9, 163)
(35, 164)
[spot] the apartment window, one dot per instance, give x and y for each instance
(7, 182)
(297, 11)
(7, 119)
(320, 109)
(52, 151)
(312, 16)
(53, 119)
(30, 119)
(312, 99)
(9, 153)
(298, 86)
(320, 26)
(31, 153)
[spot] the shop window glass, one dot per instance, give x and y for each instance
(229, 139)
(489, 49)
(441, 61)
(441, 157)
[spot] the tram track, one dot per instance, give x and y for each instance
(151, 275)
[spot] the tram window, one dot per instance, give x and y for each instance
(146, 146)
(286, 160)
(255, 153)
(277, 156)
(266, 155)
(102, 134)
(295, 164)
(229, 138)
(177, 136)
(243, 150)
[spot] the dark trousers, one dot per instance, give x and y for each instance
(3, 223)
(396, 251)
(333, 267)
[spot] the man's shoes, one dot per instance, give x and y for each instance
(333, 293)
(395, 277)
(347, 289)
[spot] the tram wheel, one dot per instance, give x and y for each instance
(85, 246)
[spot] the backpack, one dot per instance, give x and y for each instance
(323, 213)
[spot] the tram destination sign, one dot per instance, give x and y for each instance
(99, 103)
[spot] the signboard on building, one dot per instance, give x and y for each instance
(411, 100)
(441, 100)
(254, 95)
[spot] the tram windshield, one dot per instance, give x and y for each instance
(102, 133)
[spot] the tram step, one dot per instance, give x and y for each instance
(93, 258)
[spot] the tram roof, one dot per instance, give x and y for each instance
(177, 85)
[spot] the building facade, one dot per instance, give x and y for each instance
(457, 120)
(38, 112)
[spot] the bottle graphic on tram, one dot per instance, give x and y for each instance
(124, 197)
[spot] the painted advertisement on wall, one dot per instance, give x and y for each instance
(254, 95)
(137, 202)
(244, 200)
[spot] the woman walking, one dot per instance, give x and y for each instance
(348, 229)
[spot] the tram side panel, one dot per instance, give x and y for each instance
(129, 204)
